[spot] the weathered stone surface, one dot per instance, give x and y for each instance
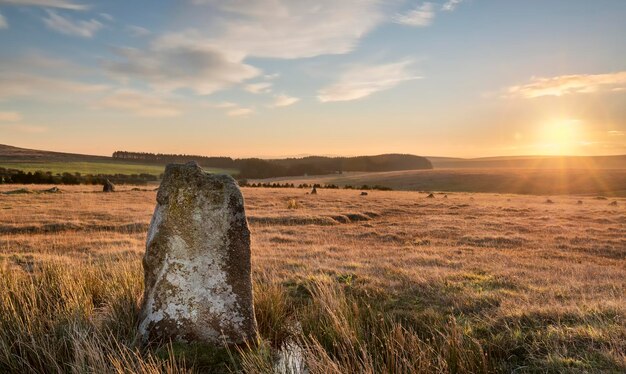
(108, 186)
(197, 263)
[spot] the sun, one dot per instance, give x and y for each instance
(561, 136)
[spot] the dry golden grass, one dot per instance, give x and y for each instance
(389, 282)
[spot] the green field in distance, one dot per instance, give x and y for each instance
(95, 168)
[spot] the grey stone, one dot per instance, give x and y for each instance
(108, 186)
(198, 285)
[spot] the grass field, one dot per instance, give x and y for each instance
(94, 168)
(609, 182)
(392, 282)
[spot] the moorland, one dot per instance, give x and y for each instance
(385, 283)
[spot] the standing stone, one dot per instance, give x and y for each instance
(108, 186)
(198, 286)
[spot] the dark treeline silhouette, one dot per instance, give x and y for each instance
(244, 183)
(314, 165)
(18, 176)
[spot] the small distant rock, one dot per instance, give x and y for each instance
(601, 198)
(430, 196)
(52, 190)
(108, 186)
(445, 196)
(363, 193)
(580, 202)
(613, 203)
(314, 191)
(548, 201)
(135, 189)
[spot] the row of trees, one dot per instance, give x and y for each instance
(258, 168)
(18, 176)
(244, 183)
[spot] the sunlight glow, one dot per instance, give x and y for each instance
(561, 137)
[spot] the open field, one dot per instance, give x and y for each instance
(609, 182)
(392, 282)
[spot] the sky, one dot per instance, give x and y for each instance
(271, 78)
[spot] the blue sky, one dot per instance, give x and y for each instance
(275, 77)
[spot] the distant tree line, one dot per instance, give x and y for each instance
(244, 183)
(257, 168)
(20, 177)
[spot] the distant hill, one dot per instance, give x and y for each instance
(531, 162)
(30, 160)
(15, 154)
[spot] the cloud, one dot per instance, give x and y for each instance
(201, 69)
(284, 100)
(25, 128)
(67, 26)
(261, 87)
(138, 103)
(240, 112)
(234, 109)
(10, 116)
(138, 31)
(569, 84)
(286, 29)
(3, 22)
(362, 81)
(421, 16)
(107, 17)
(616, 133)
(34, 86)
(451, 5)
(61, 4)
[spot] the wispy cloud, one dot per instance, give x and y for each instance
(234, 109)
(451, 5)
(284, 100)
(616, 133)
(34, 86)
(421, 16)
(10, 116)
(201, 69)
(569, 84)
(138, 31)
(138, 103)
(107, 17)
(3, 22)
(25, 128)
(362, 81)
(240, 112)
(61, 4)
(287, 28)
(261, 87)
(67, 26)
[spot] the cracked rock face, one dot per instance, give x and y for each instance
(197, 263)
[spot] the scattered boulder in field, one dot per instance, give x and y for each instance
(613, 203)
(52, 190)
(314, 191)
(363, 193)
(445, 196)
(430, 196)
(198, 285)
(580, 202)
(548, 201)
(108, 186)
(20, 191)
